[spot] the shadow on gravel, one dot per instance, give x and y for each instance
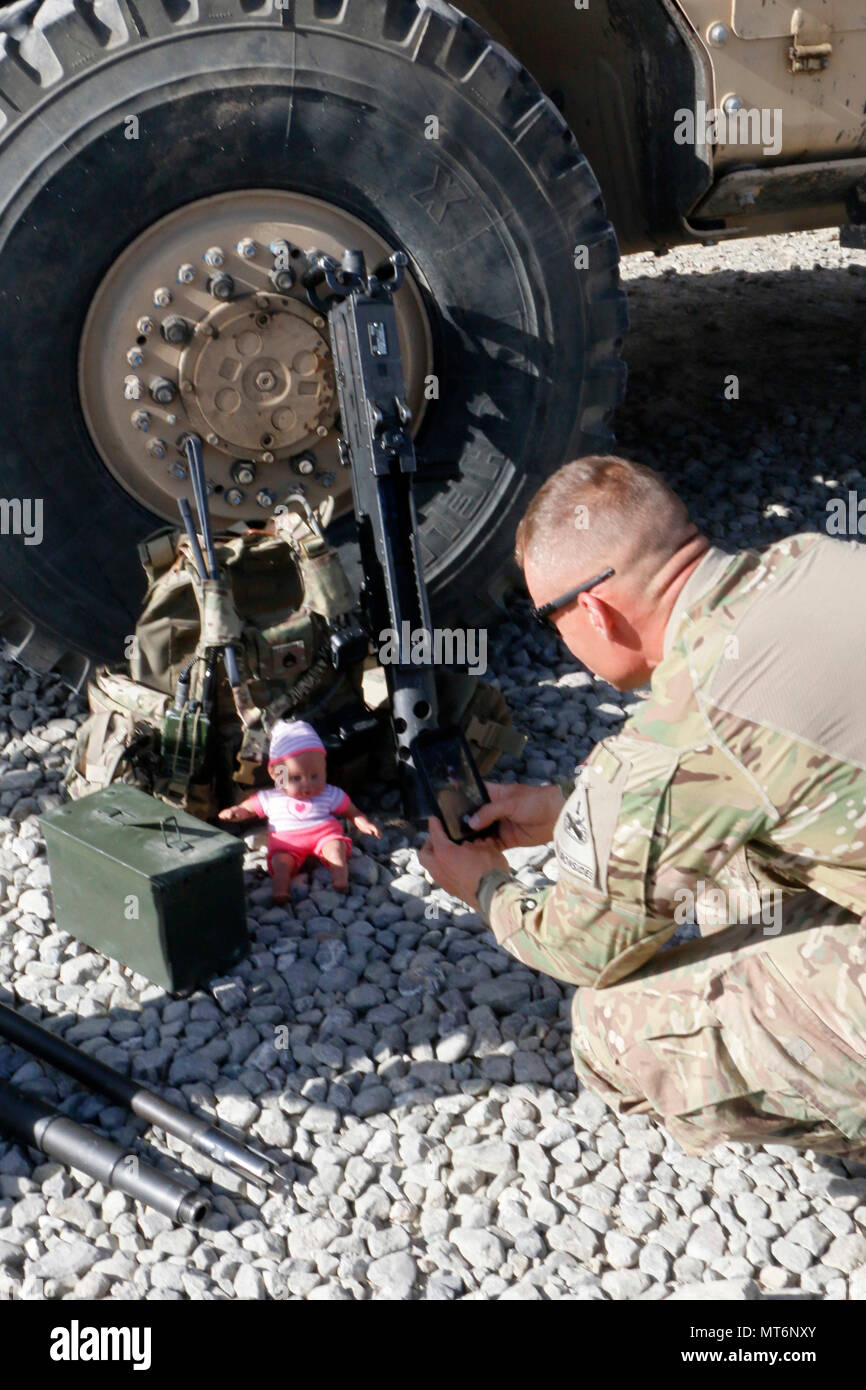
(796, 342)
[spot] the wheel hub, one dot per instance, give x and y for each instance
(259, 378)
(201, 326)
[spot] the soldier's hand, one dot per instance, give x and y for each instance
(457, 868)
(526, 815)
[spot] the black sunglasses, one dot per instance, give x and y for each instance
(543, 614)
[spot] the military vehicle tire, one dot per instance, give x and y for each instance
(403, 115)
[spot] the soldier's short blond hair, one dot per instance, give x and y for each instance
(603, 510)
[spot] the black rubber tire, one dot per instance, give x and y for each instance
(328, 98)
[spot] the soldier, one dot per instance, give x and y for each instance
(739, 782)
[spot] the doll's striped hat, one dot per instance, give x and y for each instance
(289, 737)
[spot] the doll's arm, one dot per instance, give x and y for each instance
(251, 809)
(360, 821)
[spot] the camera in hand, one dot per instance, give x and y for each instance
(446, 768)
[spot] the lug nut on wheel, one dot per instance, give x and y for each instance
(162, 390)
(214, 256)
(243, 472)
(162, 297)
(282, 280)
(265, 497)
(221, 286)
(175, 330)
(234, 496)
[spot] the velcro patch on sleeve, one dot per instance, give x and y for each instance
(585, 829)
(573, 840)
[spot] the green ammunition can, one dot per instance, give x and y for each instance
(160, 891)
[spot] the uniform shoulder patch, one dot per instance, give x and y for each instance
(585, 829)
(573, 841)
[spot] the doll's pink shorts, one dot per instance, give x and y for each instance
(302, 843)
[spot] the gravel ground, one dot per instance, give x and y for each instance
(439, 1146)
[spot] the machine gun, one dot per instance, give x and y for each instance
(437, 771)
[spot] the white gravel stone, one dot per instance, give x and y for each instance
(250, 1283)
(489, 1157)
(638, 1217)
(37, 903)
(846, 1253)
(66, 1258)
(320, 1119)
(625, 1283)
(480, 1249)
(455, 1046)
(707, 1243)
(237, 1110)
(393, 1276)
(655, 1262)
(589, 1111)
(622, 1252)
(719, 1291)
(574, 1237)
(790, 1255)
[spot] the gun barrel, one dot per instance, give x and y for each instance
(34, 1123)
(200, 1134)
(186, 517)
(199, 487)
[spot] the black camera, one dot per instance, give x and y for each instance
(453, 784)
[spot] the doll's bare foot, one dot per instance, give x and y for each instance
(335, 854)
(284, 868)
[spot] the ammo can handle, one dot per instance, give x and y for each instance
(179, 843)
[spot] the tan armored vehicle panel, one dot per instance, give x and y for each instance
(787, 146)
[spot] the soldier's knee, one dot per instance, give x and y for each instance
(594, 1063)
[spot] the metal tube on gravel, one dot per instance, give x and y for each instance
(200, 1134)
(34, 1123)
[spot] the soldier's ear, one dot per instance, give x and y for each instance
(598, 613)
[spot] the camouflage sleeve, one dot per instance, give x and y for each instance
(643, 821)
(505, 904)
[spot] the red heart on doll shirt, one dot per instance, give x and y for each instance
(301, 808)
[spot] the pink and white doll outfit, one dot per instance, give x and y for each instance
(297, 827)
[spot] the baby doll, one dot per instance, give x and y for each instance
(301, 812)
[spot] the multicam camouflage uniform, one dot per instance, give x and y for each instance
(745, 771)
